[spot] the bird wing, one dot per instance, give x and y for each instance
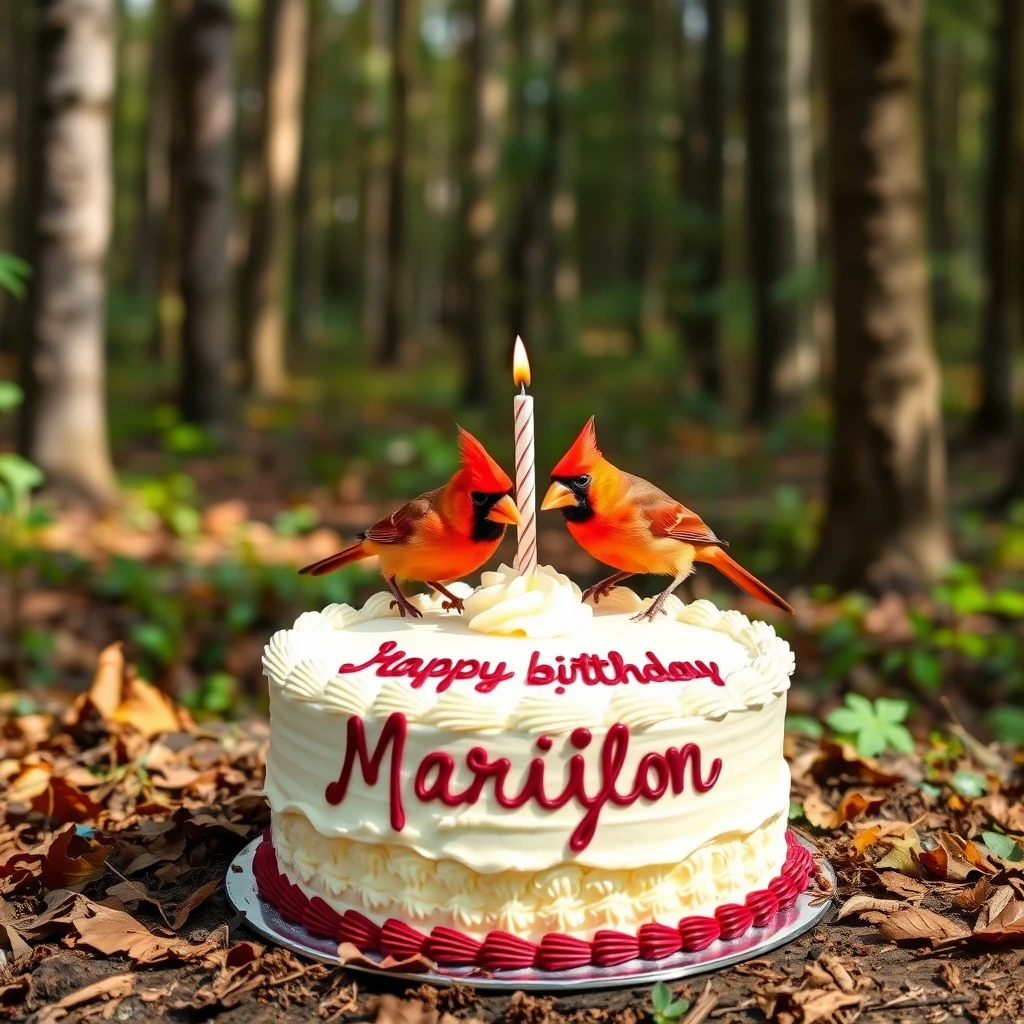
(668, 518)
(400, 525)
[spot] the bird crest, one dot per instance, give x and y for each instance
(484, 473)
(582, 455)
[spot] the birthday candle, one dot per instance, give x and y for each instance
(526, 473)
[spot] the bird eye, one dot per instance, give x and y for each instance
(479, 497)
(583, 481)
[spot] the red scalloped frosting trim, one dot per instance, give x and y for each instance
(501, 951)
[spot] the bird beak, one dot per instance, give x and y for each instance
(558, 496)
(505, 511)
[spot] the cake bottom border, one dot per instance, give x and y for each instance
(768, 918)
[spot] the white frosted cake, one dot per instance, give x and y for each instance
(533, 783)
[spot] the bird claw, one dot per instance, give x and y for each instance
(597, 591)
(405, 608)
(454, 604)
(649, 613)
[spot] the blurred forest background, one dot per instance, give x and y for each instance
(258, 257)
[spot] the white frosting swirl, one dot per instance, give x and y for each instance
(346, 695)
(542, 604)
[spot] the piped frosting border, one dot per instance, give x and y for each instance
(301, 666)
(556, 951)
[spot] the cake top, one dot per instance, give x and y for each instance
(529, 655)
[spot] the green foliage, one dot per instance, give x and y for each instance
(968, 784)
(14, 274)
(1005, 847)
(805, 725)
(875, 727)
(666, 1009)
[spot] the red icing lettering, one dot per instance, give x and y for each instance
(656, 774)
(390, 662)
(392, 734)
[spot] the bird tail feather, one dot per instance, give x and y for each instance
(332, 562)
(728, 566)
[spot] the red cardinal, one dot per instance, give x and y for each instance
(630, 524)
(442, 535)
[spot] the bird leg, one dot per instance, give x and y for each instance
(404, 605)
(453, 602)
(657, 606)
(605, 587)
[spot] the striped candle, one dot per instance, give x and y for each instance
(526, 469)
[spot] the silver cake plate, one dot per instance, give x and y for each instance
(787, 925)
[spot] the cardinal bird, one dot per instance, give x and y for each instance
(442, 535)
(626, 522)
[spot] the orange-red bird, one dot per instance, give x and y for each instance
(442, 535)
(627, 522)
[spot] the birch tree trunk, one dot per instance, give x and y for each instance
(488, 96)
(283, 69)
(780, 201)
(885, 521)
(64, 422)
(205, 76)
(995, 356)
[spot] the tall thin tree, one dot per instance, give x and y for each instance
(885, 520)
(282, 70)
(64, 423)
(780, 201)
(307, 266)
(703, 170)
(488, 96)
(376, 205)
(995, 361)
(396, 286)
(204, 53)
(556, 187)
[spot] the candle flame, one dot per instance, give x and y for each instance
(520, 364)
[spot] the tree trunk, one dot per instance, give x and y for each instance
(700, 321)
(556, 189)
(20, 148)
(487, 94)
(521, 234)
(885, 521)
(780, 201)
(283, 66)
(941, 116)
(64, 425)
(396, 286)
(205, 74)
(995, 359)
(639, 26)
(376, 198)
(151, 233)
(307, 266)
(8, 120)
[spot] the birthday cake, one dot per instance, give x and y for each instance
(536, 781)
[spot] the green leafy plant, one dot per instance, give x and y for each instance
(14, 274)
(666, 1009)
(872, 727)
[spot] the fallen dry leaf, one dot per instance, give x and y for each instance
(1006, 927)
(197, 898)
(862, 905)
(350, 954)
(111, 931)
(914, 924)
(114, 988)
(902, 885)
(73, 860)
(954, 859)
(973, 899)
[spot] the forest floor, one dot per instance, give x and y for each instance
(120, 816)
